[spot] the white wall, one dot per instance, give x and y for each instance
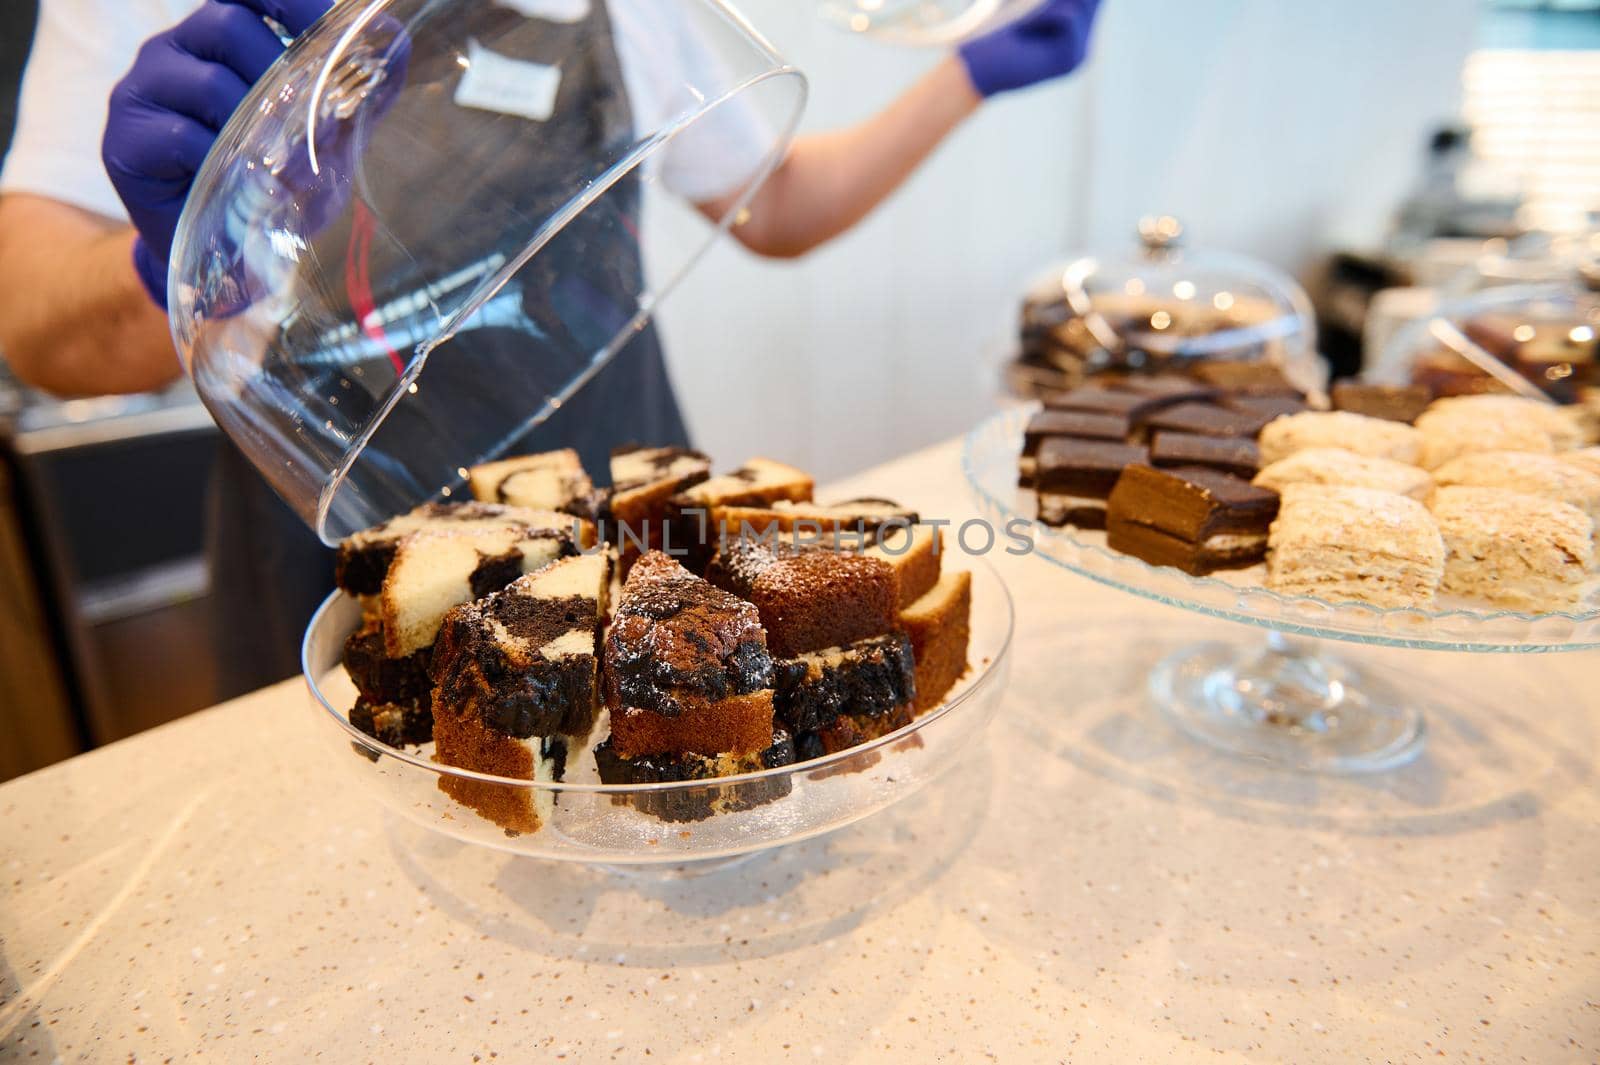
(1265, 124)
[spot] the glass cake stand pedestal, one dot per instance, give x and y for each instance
(1285, 701)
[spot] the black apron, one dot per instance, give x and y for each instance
(269, 571)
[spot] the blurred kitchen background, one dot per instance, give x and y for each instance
(1377, 151)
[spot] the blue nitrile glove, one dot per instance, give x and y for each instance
(1050, 42)
(168, 109)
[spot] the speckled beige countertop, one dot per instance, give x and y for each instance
(1092, 888)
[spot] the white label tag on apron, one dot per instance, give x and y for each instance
(549, 10)
(508, 86)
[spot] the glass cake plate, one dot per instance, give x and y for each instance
(1286, 702)
(613, 824)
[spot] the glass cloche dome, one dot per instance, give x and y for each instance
(1161, 308)
(419, 236)
(1539, 341)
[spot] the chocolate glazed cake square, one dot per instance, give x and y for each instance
(1235, 455)
(1194, 519)
(1093, 400)
(1074, 478)
(1081, 424)
(1205, 420)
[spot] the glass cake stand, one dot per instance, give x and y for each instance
(1286, 701)
(644, 828)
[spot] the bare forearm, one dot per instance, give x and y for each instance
(831, 181)
(74, 319)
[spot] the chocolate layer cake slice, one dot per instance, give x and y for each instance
(1084, 424)
(517, 678)
(363, 559)
(551, 480)
(1074, 479)
(939, 626)
(1093, 400)
(1204, 419)
(687, 669)
(1081, 425)
(1229, 454)
(809, 599)
(1195, 519)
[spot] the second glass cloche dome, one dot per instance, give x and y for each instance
(420, 234)
(1160, 308)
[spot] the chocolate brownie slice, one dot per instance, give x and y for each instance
(1107, 401)
(1394, 403)
(1245, 376)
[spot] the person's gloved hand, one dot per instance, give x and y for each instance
(168, 109)
(1050, 42)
